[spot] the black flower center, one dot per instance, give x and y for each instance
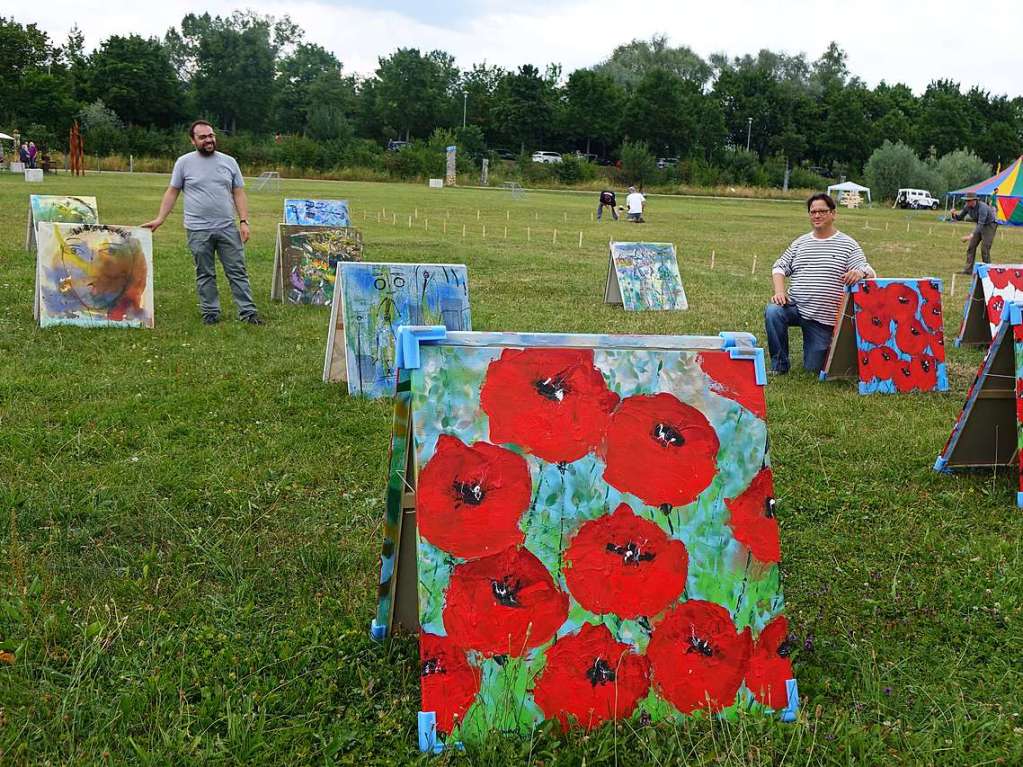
(914, 330)
(875, 321)
(886, 354)
(631, 553)
(505, 592)
(432, 666)
(554, 388)
(785, 648)
(471, 493)
(905, 371)
(769, 508)
(926, 365)
(600, 672)
(667, 434)
(903, 300)
(702, 646)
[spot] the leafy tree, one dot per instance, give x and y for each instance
(891, 167)
(413, 92)
(943, 122)
(523, 107)
(134, 77)
(593, 108)
(313, 97)
(478, 86)
(638, 165)
(960, 168)
(101, 128)
(630, 63)
(658, 113)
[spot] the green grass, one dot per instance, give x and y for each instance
(190, 520)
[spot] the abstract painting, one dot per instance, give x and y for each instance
(374, 300)
(992, 287)
(889, 337)
(596, 536)
(58, 208)
(94, 275)
(305, 264)
(644, 276)
(989, 429)
(316, 212)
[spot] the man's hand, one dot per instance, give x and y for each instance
(965, 238)
(780, 299)
(243, 229)
(153, 225)
(853, 275)
(954, 213)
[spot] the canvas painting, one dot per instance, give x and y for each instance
(307, 259)
(316, 212)
(94, 275)
(58, 208)
(644, 276)
(376, 299)
(596, 535)
(992, 288)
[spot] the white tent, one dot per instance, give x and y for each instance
(848, 186)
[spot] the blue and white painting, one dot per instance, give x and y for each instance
(316, 212)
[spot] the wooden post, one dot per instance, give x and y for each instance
(753, 270)
(566, 216)
(907, 226)
(506, 233)
(886, 226)
(554, 241)
(416, 214)
(712, 259)
(394, 219)
(507, 216)
(378, 216)
(463, 230)
(536, 215)
(477, 214)
(528, 234)
(952, 285)
(410, 222)
(426, 224)
(445, 226)
(484, 231)
(580, 239)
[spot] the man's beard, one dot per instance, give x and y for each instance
(207, 148)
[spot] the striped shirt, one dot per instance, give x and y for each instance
(815, 268)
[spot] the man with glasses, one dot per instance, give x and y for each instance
(818, 265)
(214, 190)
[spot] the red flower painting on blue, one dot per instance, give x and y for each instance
(770, 666)
(873, 325)
(878, 363)
(447, 681)
(752, 518)
(730, 378)
(994, 310)
(590, 678)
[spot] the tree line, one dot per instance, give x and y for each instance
(277, 98)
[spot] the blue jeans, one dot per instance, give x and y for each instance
(816, 337)
(600, 211)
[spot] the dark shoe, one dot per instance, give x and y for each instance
(210, 319)
(252, 319)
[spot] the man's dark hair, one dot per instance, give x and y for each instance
(825, 198)
(193, 126)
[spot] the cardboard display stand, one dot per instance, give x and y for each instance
(989, 429)
(306, 259)
(582, 528)
(644, 276)
(889, 337)
(58, 208)
(991, 288)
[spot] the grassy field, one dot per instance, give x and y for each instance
(190, 520)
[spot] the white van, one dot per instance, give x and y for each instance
(547, 157)
(915, 199)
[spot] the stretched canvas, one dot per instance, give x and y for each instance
(94, 275)
(989, 429)
(992, 288)
(306, 259)
(594, 529)
(373, 301)
(58, 208)
(316, 212)
(889, 337)
(644, 276)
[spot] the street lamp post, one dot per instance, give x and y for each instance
(465, 105)
(749, 131)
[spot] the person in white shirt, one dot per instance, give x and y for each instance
(635, 202)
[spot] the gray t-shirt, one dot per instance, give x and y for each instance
(207, 181)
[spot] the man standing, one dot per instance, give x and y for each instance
(635, 203)
(214, 190)
(607, 198)
(818, 265)
(983, 233)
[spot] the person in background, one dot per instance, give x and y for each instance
(818, 265)
(32, 152)
(635, 202)
(607, 199)
(23, 154)
(983, 234)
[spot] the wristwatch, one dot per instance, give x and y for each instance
(243, 221)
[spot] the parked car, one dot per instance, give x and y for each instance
(586, 156)
(667, 162)
(504, 154)
(916, 199)
(547, 157)
(821, 171)
(394, 145)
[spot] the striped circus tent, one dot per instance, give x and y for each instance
(1004, 190)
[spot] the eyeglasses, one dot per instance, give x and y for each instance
(820, 211)
(204, 136)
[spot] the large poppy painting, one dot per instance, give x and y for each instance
(317, 212)
(992, 288)
(373, 301)
(596, 537)
(644, 276)
(306, 259)
(94, 275)
(55, 208)
(889, 337)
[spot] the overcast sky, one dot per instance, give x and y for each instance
(907, 41)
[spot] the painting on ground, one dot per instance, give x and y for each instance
(992, 288)
(94, 275)
(889, 337)
(595, 532)
(306, 259)
(316, 212)
(374, 300)
(58, 208)
(644, 276)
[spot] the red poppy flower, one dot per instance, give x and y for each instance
(626, 565)
(900, 301)
(731, 378)
(769, 665)
(869, 296)
(470, 498)
(878, 363)
(994, 310)
(920, 373)
(660, 449)
(911, 336)
(873, 326)
(752, 518)
(937, 345)
(930, 290)
(447, 682)
(999, 277)
(698, 659)
(591, 678)
(506, 603)
(553, 403)
(1016, 278)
